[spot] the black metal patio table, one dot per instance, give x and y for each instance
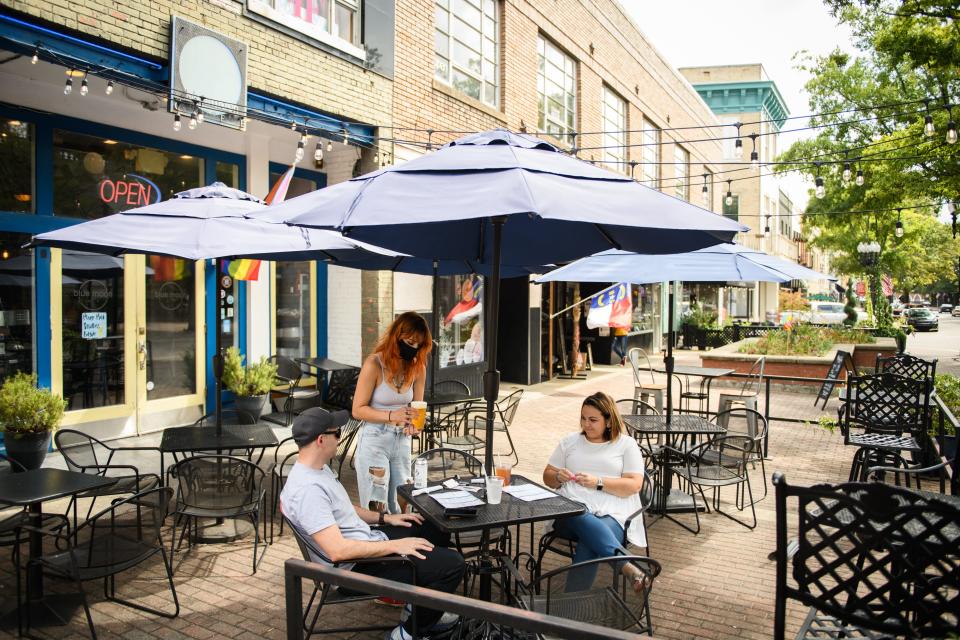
(324, 367)
(510, 512)
(679, 428)
(32, 489)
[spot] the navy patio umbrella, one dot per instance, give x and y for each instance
(207, 223)
(500, 198)
(720, 263)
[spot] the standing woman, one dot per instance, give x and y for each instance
(391, 377)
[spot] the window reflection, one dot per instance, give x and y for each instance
(16, 305)
(94, 177)
(171, 350)
(93, 330)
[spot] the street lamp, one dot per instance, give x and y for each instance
(869, 253)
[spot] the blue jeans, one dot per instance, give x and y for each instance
(620, 346)
(596, 537)
(387, 448)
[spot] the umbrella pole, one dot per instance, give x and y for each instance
(668, 360)
(435, 321)
(218, 356)
(491, 379)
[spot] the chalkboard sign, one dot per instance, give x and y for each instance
(833, 376)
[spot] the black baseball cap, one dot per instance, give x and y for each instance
(316, 421)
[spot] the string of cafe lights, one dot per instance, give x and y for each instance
(193, 106)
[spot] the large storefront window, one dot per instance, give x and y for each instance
(93, 330)
(16, 305)
(646, 310)
(171, 328)
(95, 177)
(16, 166)
(461, 320)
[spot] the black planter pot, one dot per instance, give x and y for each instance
(901, 339)
(251, 404)
(29, 449)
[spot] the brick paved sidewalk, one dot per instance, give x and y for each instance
(718, 584)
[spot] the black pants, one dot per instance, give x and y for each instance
(441, 570)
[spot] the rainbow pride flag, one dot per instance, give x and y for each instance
(242, 269)
(166, 269)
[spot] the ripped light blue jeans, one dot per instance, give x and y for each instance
(389, 449)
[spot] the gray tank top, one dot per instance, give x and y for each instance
(386, 397)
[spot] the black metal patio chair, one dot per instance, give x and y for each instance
(885, 417)
(123, 536)
(610, 601)
(85, 454)
(219, 487)
(908, 366)
(754, 426)
(721, 462)
(330, 595)
(869, 560)
(288, 397)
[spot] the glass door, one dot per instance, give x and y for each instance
(129, 335)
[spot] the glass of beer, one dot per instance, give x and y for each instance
(420, 419)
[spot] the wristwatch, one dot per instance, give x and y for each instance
(599, 484)
(382, 521)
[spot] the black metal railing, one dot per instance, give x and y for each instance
(508, 620)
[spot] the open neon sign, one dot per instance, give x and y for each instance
(133, 190)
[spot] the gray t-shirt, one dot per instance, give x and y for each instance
(313, 499)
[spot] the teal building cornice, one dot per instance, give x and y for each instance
(744, 97)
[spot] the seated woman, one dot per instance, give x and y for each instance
(601, 467)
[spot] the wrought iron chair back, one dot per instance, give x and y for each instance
(340, 390)
(631, 407)
(887, 403)
(870, 556)
(82, 452)
(509, 407)
(908, 366)
(640, 361)
(610, 601)
(218, 483)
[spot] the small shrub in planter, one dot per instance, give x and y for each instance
(250, 384)
(28, 416)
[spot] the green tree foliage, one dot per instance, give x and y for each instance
(907, 51)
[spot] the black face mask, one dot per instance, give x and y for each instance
(407, 352)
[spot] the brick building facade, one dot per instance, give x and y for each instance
(380, 71)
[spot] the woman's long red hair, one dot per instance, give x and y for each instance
(408, 325)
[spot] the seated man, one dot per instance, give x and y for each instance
(318, 505)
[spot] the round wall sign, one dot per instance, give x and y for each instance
(208, 68)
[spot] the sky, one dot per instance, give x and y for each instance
(709, 32)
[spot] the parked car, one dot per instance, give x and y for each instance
(956, 311)
(922, 319)
(826, 313)
(946, 308)
(896, 308)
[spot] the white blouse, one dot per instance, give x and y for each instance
(608, 460)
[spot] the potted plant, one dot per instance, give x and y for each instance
(28, 416)
(251, 384)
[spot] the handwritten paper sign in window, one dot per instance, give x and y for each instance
(93, 325)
